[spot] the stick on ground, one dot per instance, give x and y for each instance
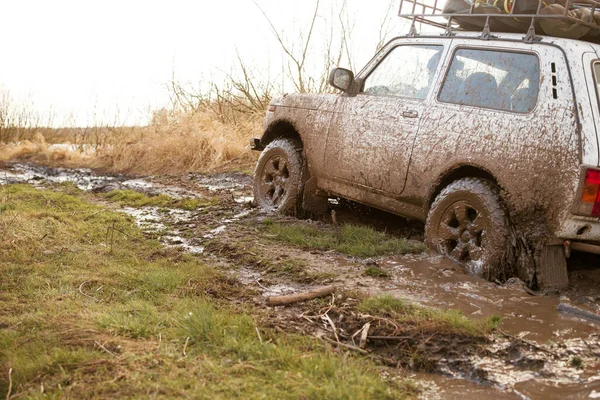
(347, 346)
(298, 297)
(9, 384)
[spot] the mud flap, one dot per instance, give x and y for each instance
(312, 201)
(551, 268)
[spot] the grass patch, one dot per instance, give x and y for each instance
(83, 318)
(354, 240)
(132, 198)
(376, 272)
(295, 270)
(428, 319)
(576, 362)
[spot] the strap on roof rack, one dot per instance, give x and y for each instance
(530, 36)
(449, 32)
(413, 29)
(486, 33)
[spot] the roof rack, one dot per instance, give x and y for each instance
(516, 16)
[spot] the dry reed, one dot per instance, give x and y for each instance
(181, 143)
(173, 144)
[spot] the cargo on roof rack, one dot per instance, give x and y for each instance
(560, 18)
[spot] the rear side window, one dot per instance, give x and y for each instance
(492, 79)
(597, 75)
(406, 71)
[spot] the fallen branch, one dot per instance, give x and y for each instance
(296, 298)
(347, 346)
(104, 348)
(258, 334)
(85, 294)
(535, 346)
(187, 340)
(257, 281)
(9, 384)
(578, 312)
(364, 335)
(396, 338)
(337, 338)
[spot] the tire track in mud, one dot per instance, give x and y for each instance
(540, 348)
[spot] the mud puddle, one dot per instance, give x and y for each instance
(168, 225)
(86, 179)
(540, 352)
(439, 387)
(158, 222)
(439, 282)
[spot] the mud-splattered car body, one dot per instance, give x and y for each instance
(397, 153)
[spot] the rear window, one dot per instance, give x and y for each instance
(597, 75)
(492, 79)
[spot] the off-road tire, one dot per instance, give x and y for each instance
(278, 178)
(468, 223)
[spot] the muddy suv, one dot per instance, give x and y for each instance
(492, 142)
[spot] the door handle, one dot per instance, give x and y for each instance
(410, 114)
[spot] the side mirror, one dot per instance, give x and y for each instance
(342, 79)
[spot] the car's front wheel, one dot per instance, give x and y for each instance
(468, 223)
(278, 177)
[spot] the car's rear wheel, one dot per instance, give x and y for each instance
(278, 179)
(468, 223)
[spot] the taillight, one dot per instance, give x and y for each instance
(590, 196)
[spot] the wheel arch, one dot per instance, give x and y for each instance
(280, 129)
(455, 173)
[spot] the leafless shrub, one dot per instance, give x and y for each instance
(17, 122)
(244, 92)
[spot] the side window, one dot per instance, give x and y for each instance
(406, 71)
(492, 79)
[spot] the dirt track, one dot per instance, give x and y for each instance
(530, 358)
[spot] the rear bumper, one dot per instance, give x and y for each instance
(586, 247)
(580, 234)
(580, 229)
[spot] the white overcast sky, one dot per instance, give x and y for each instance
(86, 60)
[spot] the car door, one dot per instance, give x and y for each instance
(371, 134)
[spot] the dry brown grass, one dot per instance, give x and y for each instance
(181, 143)
(174, 144)
(37, 149)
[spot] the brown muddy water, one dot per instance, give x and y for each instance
(539, 352)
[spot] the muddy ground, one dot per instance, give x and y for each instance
(539, 351)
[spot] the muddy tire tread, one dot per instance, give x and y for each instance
(291, 205)
(489, 194)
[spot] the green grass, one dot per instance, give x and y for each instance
(354, 240)
(135, 199)
(428, 319)
(295, 270)
(576, 362)
(376, 272)
(86, 312)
